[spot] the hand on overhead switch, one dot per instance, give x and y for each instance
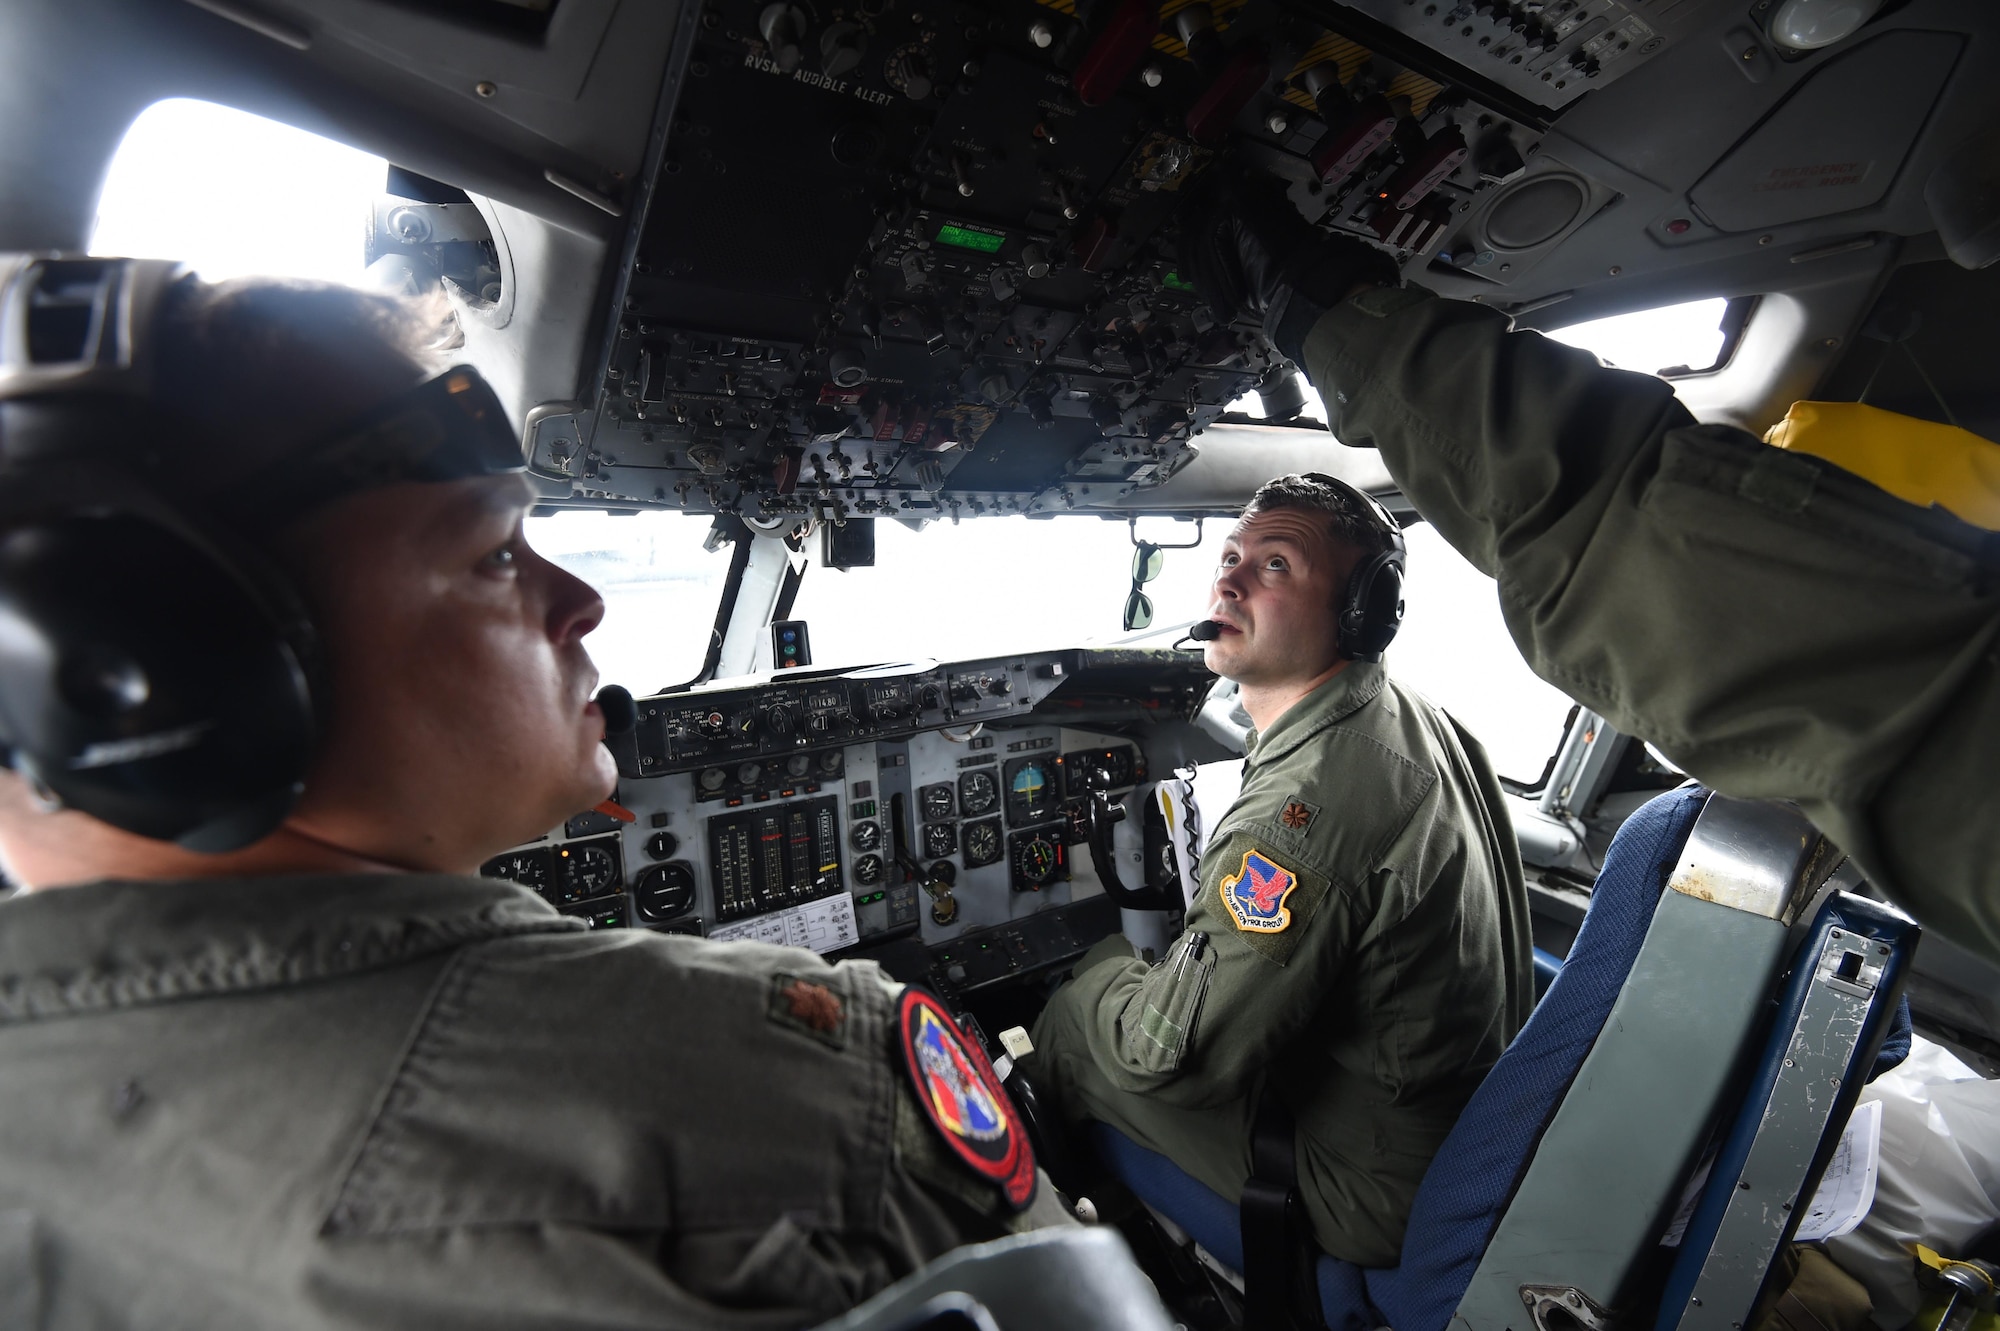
(1251, 255)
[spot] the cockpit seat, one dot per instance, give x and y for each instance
(1519, 1181)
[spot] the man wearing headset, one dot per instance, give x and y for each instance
(1781, 627)
(277, 672)
(1358, 954)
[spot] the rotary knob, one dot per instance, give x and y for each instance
(662, 845)
(781, 720)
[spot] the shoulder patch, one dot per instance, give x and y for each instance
(809, 1007)
(1255, 894)
(962, 1098)
(1298, 815)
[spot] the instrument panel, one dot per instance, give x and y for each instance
(937, 803)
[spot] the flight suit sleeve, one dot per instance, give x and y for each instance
(1778, 627)
(1196, 1028)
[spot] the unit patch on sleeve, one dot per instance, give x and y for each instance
(962, 1098)
(1255, 895)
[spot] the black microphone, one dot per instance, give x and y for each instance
(621, 714)
(1204, 630)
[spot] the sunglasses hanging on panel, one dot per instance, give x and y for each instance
(1148, 557)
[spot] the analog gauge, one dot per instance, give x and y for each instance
(665, 890)
(982, 843)
(829, 762)
(936, 802)
(942, 874)
(940, 840)
(865, 835)
(747, 773)
(589, 869)
(1031, 790)
(1118, 763)
(868, 870)
(1037, 859)
(713, 778)
(798, 764)
(978, 792)
(529, 868)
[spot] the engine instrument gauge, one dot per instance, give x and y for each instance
(982, 843)
(868, 870)
(665, 890)
(940, 840)
(1037, 859)
(978, 792)
(936, 802)
(865, 835)
(798, 764)
(712, 778)
(529, 868)
(588, 869)
(1033, 790)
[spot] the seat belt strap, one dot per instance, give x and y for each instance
(1277, 1284)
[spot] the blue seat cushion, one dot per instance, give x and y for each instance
(1896, 1044)
(1547, 966)
(1163, 1185)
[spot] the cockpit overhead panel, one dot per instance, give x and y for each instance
(976, 302)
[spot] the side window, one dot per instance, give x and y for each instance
(1455, 649)
(234, 194)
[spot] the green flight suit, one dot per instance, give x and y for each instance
(1366, 957)
(388, 1101)
(1779, 627)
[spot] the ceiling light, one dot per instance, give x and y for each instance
(1807, 25)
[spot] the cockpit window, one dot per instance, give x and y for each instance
(236, 195)
(660, 587)
(998, 585)
(1670, 340)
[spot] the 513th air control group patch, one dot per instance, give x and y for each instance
(962, 1098)
(1255, 895)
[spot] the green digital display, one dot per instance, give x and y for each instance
(971, 238)
(1175, 282)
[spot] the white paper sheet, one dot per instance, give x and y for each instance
(824, 926)
(1847, 1189)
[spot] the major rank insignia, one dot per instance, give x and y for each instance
(1255, 894)
(962, 1098)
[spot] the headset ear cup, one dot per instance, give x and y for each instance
(145, 681)
(1373, 609)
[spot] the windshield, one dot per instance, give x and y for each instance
(661, 589)
(997, 585)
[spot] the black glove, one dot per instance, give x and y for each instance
(1251, 255)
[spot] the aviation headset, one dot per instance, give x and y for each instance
(1371, 606)
(156, 671)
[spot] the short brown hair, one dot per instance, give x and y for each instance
(1351, 523)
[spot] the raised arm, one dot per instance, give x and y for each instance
(1778, 627)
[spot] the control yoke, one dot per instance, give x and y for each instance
(1101, 814)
